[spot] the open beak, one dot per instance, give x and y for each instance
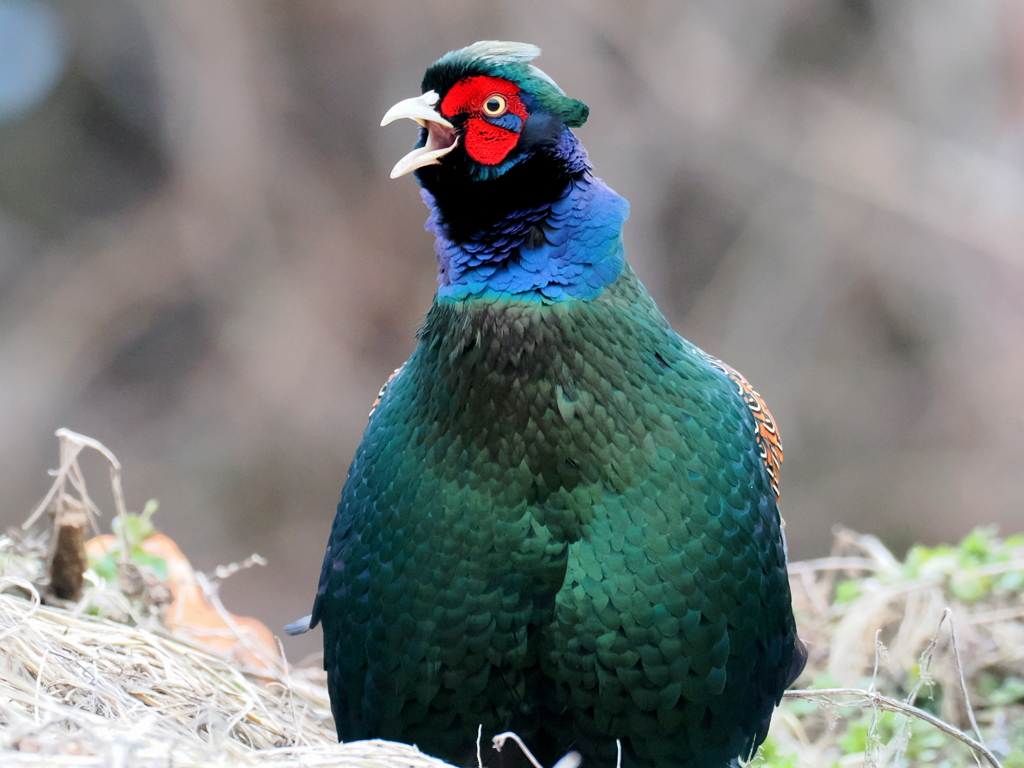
(441, 136)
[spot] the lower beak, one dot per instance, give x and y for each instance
(441, 136)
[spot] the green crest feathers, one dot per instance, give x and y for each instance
(511, 61)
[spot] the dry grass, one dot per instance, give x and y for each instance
(86, 691)
(78, 688)
(912, 663)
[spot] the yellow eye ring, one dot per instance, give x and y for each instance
(495, 105)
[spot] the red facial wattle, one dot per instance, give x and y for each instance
(486, 142)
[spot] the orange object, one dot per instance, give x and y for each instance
(245, 640)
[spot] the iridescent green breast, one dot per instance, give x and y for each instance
(559, 522)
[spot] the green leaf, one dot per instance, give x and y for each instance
(155, 564)
(106, 567)
(979, 542)
(1012, 581)
(1010, 692)
(849, 590)
(969, 587)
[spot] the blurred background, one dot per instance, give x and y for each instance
(204, 264)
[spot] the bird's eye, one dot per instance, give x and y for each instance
(495, 106)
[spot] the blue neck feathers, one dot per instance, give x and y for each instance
(568, 246)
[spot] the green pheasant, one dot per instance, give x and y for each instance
(562, 517)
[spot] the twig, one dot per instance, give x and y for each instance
(879, 650)
(286, 678)
(924, 662)
(72, 444)
(872, 545)
(225, 571)
(501, 738)
(893, 705)
(989, 617)
(61, 474)
(994, 569)
(874, 742)
(960, 673)
(902, 738)
(210, 593)
(568, 760)
(833, 564)
(115, 465)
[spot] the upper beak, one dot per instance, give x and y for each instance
(441, 136)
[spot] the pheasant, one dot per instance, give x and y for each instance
(562, 518)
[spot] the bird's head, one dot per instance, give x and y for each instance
(484, 109)
(514, 205)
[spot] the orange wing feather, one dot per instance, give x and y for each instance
(769, 444)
